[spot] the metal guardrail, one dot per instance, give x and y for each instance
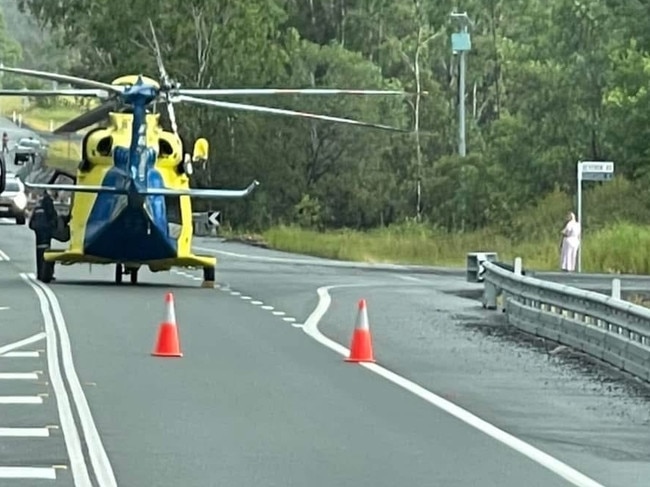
(605, 327)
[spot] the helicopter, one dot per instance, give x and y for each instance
(131, 204)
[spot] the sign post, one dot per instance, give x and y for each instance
(591, 171)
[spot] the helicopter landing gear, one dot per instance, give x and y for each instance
(208, 277)
(120, 270)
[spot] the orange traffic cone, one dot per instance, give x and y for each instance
(167, 344)
(361, 347)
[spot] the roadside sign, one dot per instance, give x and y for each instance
(214, 217)
(595, 171)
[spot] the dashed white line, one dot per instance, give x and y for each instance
(289, 319)
(278, 313)
(18, 375)
(256, 302)
(4, 256)
(48, 473)
(21, 400)
(235, 293)
(20, 355)
(554, 465)
(25, 432)
(410, 278)
(246, 298)
(267, 307)
(4, 308)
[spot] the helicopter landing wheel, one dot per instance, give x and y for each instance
(134, 275)
(119, 272)
(208, 277)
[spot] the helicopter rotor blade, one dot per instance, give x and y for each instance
(70, 92)
(279, 111)
(64, 78)
(283, 91)
(88, 118)
(166, 82)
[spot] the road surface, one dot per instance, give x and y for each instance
(262, 395)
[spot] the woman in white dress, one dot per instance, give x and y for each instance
(570, 243)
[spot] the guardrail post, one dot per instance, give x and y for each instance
(616, 288)
(490, 295)
(518, 266)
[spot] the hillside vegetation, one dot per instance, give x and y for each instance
(548, 84)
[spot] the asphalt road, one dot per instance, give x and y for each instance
(262, 395)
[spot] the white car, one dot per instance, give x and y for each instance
(13, 200)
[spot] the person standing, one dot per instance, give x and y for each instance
(43, 222)
(570, 243)
(5, 142)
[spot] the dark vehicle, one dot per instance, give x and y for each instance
(13, 200)
(28, 148)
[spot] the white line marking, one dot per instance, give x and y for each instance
(4, 256)
(20, 355)
(256, 302)
(21, 400)
(268, 308)
(4, 308)
(18, 375)
(197, 278)
(98, 456)
(235, 293)
(289, 319)
(70, 434)
(278, 313)
(246, 298)
(538, 456)
(25, 432)
(21, 343)
(297, 325)
(28, 473)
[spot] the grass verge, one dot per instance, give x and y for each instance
(64, 155)
(622, 247)
(40, 118)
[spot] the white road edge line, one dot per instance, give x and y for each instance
(48, 473)
(21, 343)
(70, 433)
(25, 432)
(544, 459)
(98, 457)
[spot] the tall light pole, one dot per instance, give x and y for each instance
(461, 44)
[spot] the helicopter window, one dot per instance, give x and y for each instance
(173, 205)
(104, 146)
(165, 148)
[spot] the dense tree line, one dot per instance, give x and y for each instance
(548, 83)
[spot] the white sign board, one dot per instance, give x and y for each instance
(595, 171)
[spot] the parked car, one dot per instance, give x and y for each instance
(13, 200)
(29, 148)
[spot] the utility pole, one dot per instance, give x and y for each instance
(461, 44)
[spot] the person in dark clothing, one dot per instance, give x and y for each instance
(43, 222)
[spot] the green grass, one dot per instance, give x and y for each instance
(621, 247)
(40, 118)
(64, 155)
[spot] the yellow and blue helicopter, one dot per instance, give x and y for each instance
(131, 202)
